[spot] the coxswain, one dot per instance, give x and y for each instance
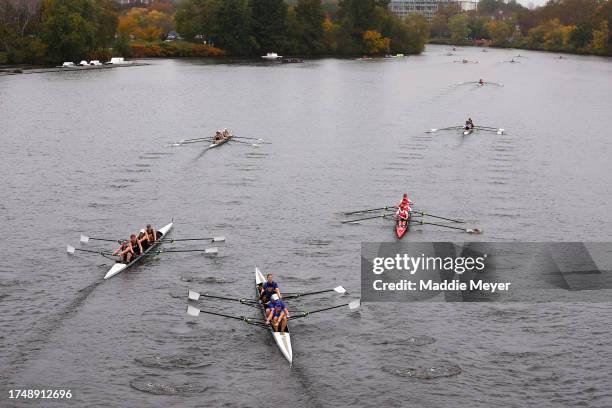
(124, 252)
(277, 314)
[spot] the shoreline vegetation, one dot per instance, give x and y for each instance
(49, 32)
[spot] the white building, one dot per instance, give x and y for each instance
(427, 8)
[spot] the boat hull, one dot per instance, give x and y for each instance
(120, 267)
(282, 340)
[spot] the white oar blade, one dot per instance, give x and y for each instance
(84, 239)
(340, 290)
(354, 304)
(219, 239)
(431, 131)
(70, 249)
(210, 251)
(500, 131)
(193, 311)
(193, 295)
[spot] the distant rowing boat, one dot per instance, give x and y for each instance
(120, 267)
(220, 142)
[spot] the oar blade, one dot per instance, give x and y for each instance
(431, 130)
(70, 249)
(219, 239)
(500, 131)
(340, 290)
(193, 295)
(84, 239)
(211, 251)
(193, 311)
(355, 304)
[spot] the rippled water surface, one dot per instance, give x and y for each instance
(84, 152)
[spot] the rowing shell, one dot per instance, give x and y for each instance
(120, 267)
(401, 230)
(283, 340)
(467, 131)
(219, 143)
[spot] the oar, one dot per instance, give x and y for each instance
(369, 210)
(85, 239)
(196, 141)
(437, 216)
(233, 139)
(192, 295)
(212, 239)
(362, 219)
(70, 249)
(195, 312)
(468, 230)
(499, 131)
(352, 305)
(207, 250)
(252, 138)
(337, 289)
(446, 128)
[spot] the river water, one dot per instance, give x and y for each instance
(85, 152)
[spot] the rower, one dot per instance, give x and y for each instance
(481, 82)
(143, 239)
(124, 252)
(136, 247)
(469, 124)
(406, 202)
(402, 215)
(152, 233)
(218, 136)
(277, 314)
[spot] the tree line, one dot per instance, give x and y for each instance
(52, 31)
(577, 26)
(305, 27)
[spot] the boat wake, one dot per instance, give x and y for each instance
(424, 373)
(38, 341)
(410, 341)
(153, 384)
(175, 361)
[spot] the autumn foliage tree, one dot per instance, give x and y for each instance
(145, 24)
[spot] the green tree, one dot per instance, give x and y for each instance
(459, 28)
(499, 32)
(234, 27)
(196, 20)
(310, 17)
(70, 28)
(581, 35)
(269, 24)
